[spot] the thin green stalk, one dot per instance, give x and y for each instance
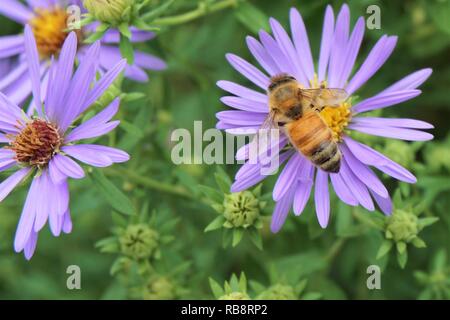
(202, 10)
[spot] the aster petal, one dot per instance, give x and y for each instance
(248, 71)
(11, 182)
(42, 205)
(20, 69)
(409, 82)
(113, 36)
(262, 56)
(301, 43)
(351, 52)
(303, 192)
(241, 118)
(340, 40)
(363, 172)
(16, 11)
(342, 190)
(116, 155)
(30, 246)
(83, 154)
(357, 188)
(281, 211)
(33, 64)
(11, 45)
(9, 110)
(288, 177)
(62, 167)
(384, 100)
(245, 105)
(372, 157)
(67, 223)
(322, 198)
(243, 92)
(326, 42)
(392, 132)
(376, 58)
(385, 204)
(148, 61)
(392, 122)
(97, 125)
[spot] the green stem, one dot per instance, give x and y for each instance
(151, 183)
(334, 251)
(202, 10)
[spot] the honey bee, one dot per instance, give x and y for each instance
(296, 111)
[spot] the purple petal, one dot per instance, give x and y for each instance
(12, 181)
(33, 65)
(42, 205)
(30, 246)
(248, 71)
(389, 122)
(385, 204)
(148, 61)
(342, 190)
(340, 40)
(357, 188)
(66, 166)
(376, 58)
(281, 211)
(245, 105)
(372, 157)
(322, 198)
(384, 100)
(287, 177)
(11, 46)
(301, 42)
(261, 55)
(116, 155)
(87, 156)
(16, 11)
(67, 223)
(326, 43)
(302, 193)
(241, 118)
(242, 91)
(409, 82)
(391, 132)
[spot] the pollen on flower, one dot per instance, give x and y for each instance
(49, 27)
(36, 144)
(337, 119)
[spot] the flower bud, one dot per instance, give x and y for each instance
(402, 226)
(159, 288)
(235, 296)
(241, 209)
(139, 241)
(109, 11)
(278, 292)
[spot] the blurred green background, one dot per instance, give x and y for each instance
(333, 261)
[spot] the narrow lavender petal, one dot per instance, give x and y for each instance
(248, 71)
(384, 100)
(409, 82)
(135, 73)
(392, 132)
(87, 156)
(342, 190)
(16, 11)
(243, 131)
(44, 89)
(245, 104)
(363, 172)
(10, 111)
(287, 178)
(241, 118)
(116, 155)
(6, 154)
(301, 43)
(60, 79)
(281, 211)
(385, 204)
(303, 191)
(42, 204)
(287, 47)
(242, 91)
(60, 198)
(326, 42)
(261, 55)
(11, 45)
(30, 246)
(27, 218)
(357, 188)
(322, 198)
(148, 61)
(103, 84)
(11, 182)
(392, 122)
(34, 67)
(284, 63)
(376, 58)
(113, 36)
(67, 167)
(55, 174)
(3, 138)
(67, 223)
(340, 40)
(351, 52)
(55, 223)
(20, 69)
(82, 131)
(372, 157)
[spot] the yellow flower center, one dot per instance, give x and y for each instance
(337, 118)
(50, 29)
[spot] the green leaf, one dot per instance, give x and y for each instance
(126, 49)
(384, 249)
(216, 288)
(116, 198)
(238, 233)
(255, 237)
(124, 30)
(211, 194)
(252, 17)
(222, 180)
(402, 258)
(98, 34)
(215, 224)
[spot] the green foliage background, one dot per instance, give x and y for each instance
(333, 261)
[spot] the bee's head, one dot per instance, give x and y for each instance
(280, 79)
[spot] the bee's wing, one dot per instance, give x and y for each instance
(322, 97)
(262, 141)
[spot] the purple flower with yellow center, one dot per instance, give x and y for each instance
(355, 183)
(48, 20)
(44, 146)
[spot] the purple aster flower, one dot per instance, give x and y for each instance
(355, 183)
(44, 145)
(48, 19)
